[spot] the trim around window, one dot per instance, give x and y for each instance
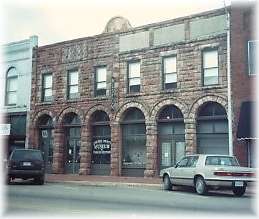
(251, 52)
(72, 84)
(210, 66)
(133, 76)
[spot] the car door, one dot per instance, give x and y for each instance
(190, 170)
(178, 173)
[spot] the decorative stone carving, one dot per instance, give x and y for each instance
(117, 24)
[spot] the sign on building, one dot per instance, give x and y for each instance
(5, 129)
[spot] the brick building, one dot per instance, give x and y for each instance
(243, 68)
(131, 101)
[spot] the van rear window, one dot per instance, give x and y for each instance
(26, 154)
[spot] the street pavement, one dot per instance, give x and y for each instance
(137, 197)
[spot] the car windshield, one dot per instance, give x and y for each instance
(221, 161)
(26, 154)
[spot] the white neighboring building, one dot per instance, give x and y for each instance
(16, 72)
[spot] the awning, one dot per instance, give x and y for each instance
(246, 129)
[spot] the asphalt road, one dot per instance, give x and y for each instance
(57, 199)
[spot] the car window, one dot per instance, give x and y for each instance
(221, 161)
(192, 161)
(183, 162)
(26, 154)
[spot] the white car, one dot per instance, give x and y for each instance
(204, 171)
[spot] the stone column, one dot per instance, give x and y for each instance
(85, 151)
(115, 150)
(190, 136)
(151, 154)
(33, 140)
(58, 150)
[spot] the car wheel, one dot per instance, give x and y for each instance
(200, 186)
(167, 183)
(239, 191)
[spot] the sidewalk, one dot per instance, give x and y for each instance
(93, 180)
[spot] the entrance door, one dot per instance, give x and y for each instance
(47, 148)
(171, 152)
(73, 157)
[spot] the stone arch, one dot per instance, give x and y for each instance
(95, 108)
(36, 117)
(131, 104)
(70, 110)
(166, 102)
(208, 98)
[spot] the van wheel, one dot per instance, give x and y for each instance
(167, 183)
(39, 180)
(200, 186)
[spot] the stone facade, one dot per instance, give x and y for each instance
(149, 44)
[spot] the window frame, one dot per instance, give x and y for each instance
(204, 69)
(43, 97)
(170, 73)
(104, 91)
(248, 57)
(129, 91)
(76, 95)
(7, 91)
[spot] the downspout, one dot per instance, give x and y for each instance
(230, 116)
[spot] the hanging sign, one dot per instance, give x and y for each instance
(102, 146)
(44, 133)
(5, 129)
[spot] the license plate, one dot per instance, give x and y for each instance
(239, 183)
(26, 164)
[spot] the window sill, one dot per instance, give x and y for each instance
(133, 95)
(101, 98)
(47, 102)
(207, 87)
(169, 91)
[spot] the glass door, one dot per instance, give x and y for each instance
(47, 148)
(72, 164)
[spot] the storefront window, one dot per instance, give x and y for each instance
(212, 129)
(134, 142)
(101, 153)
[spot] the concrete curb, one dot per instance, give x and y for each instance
(111, 184)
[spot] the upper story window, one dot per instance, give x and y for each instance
(169, 72)
(252, 64)
(11, 87)
(134, 77)
(210, 67)
(47, 87)
(73, 84)
(100, 81)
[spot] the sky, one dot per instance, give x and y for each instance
(56, 20)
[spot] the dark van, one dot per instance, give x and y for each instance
(26, 164)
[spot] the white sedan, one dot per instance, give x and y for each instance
(208, 171)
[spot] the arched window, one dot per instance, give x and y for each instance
(11, 87)
(133, 143)
(212, 129)
(171, 138)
